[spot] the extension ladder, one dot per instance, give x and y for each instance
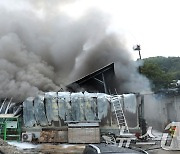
(120, 117)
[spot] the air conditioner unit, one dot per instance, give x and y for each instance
(27, 137)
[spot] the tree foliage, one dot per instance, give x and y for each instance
(161, 71)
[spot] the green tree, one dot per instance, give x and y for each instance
(170, 65)
(158, 77)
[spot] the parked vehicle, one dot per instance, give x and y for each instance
(111, 149)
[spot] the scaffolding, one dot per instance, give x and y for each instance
(10, 127)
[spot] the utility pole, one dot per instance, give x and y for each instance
(142, 121)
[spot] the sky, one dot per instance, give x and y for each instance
(154, 24)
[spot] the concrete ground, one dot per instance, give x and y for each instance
(156, 149)
(61, 149)
(160, 151)
(28, 148)
(78, 149)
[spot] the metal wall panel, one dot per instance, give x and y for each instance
(39, 111)
(78, 107)
(90, 106)
(77, 101)
(51, 105)
(28, 112)
(64, 106)
(103, 105)
(130, 110)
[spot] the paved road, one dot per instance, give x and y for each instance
(163, 152)
(156, 149)
(77, 149)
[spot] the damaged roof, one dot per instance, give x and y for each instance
(102, 80)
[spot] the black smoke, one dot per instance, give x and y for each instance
(43, 49)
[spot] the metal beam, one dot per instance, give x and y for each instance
(2, 105)
(7, 108)
(104, 82)
(99, 81)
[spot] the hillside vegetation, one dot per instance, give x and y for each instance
(161, 71)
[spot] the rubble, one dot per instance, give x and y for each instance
(53, 137)
(5, 148)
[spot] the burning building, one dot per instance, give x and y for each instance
(66, 112)
(58, 111)
(57, 115)
(56, 50)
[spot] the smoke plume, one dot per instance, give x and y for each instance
(42, 48)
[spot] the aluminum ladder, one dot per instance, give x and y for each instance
(120, 117)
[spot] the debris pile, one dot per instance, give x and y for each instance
(5, 148)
